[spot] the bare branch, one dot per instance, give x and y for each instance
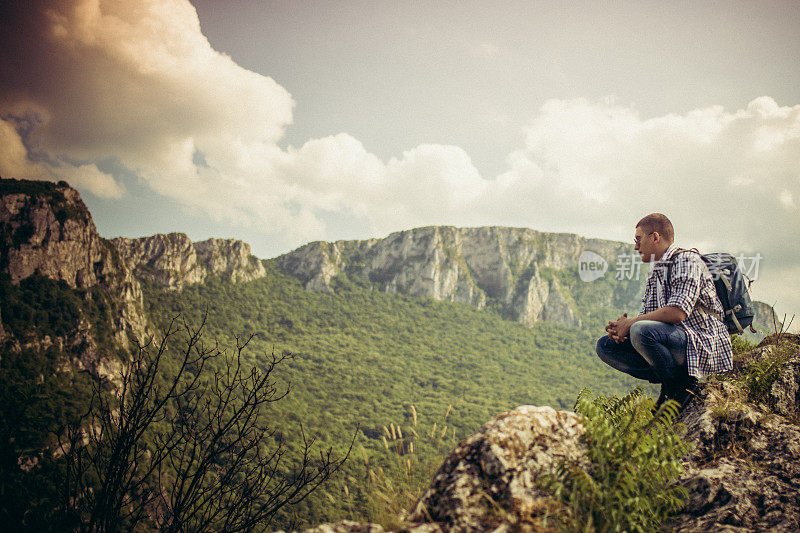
(183, 442)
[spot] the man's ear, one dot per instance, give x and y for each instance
(656, 237)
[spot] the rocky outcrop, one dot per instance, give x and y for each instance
(744, 473)
(496, 468)
(765, 322)
(172, 261)
(516, 268)
(52, 233)
(46, 229)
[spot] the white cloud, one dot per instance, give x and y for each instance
(137, 82)
(709, 170)
(15, 163)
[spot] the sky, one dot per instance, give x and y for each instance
(285, 122)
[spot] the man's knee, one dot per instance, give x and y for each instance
(602, 347)
(642, 329)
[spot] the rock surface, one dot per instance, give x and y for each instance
(496, 468)
(744, 474)
(53, 234)
(512, 267)
(46, 229)
(346, 526)
(172, 261)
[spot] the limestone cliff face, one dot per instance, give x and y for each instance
(174, 261)
(516, 268)
(46, 229)
(53, 234)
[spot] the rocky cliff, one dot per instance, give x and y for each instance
(46, 230)
(173, 261)
(766, 322)
(520, 271)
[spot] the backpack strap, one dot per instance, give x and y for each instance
(671, 262)
(668, 281)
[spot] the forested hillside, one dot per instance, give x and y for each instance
(363, 358)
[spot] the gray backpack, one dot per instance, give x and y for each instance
(731, 286)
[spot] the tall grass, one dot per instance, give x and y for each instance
(399, 476)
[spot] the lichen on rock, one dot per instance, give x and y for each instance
(491, 477)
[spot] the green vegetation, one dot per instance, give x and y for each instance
(190, 439)
(634, 462)
(363, 357)
(741, 344)
(398, 477)
(36, 399)
(41, 306)
(41, 392)
(759, 376)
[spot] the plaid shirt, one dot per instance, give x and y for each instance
(691, 290)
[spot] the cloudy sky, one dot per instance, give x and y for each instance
(282, 122)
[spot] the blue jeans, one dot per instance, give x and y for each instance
(654, 351)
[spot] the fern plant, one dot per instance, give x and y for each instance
(758, 376)
(634, 460)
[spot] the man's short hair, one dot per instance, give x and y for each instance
(660, 223)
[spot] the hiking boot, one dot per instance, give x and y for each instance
(667, 390)
(684, 392)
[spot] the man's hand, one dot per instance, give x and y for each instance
(618, 329)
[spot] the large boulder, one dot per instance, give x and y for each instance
(497, 469)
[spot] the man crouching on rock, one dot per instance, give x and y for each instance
(675, 340)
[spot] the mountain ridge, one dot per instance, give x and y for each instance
(509, 268)
(527, 275)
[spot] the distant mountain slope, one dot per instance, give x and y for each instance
(529, 276)
(526, 275)
(174, 261)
